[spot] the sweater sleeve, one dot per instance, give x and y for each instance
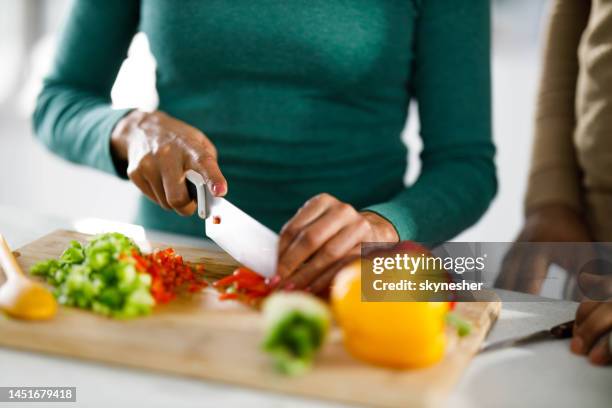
(453, 92)
(73, 116)
(554, 176)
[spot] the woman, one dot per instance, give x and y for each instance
(569, 195)
(285, 107)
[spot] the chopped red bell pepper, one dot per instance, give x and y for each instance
(245, 284)
(225, 282)
(228, 296)
(170, 275)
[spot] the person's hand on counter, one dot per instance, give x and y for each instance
(593, 331)
(322, 236)
(526, 266)
(159, 149)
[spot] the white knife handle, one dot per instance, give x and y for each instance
(196, 186)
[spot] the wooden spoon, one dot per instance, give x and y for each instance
(21, 297)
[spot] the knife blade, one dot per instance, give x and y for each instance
(560, 331)
(244, 238)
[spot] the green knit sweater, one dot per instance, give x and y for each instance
(300, 97)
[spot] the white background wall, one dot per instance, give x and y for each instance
(33, 179)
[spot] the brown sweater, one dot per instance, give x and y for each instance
(572, 156)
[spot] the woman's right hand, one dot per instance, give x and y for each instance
(159, 149)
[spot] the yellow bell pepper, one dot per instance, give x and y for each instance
(392, 334)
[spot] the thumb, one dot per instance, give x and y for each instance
(208, 167)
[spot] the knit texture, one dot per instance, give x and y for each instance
(299, 97)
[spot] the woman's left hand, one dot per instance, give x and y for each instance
(592, 332)
(322, 236)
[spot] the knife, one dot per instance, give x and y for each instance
(246, 240)
(560, 331)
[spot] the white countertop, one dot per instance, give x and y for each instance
(542, 375)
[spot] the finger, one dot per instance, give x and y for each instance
(579, 257)
(330, 253)
(155, 181)
(309, 212)
(584, 310)
(206, 164)
(600, 353)
(533, 272)
(175, 190)
(510, 268)
(311, 238)
(143, 186)
(597, 323)
(189, 209)
(322, 283)
(573, 291)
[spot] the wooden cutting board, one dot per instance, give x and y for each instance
(205, 338)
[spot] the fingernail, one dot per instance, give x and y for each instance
(308, 289)
(289, 286)
(220, 188)
(598, 356)
(576, 345)
(274, 281)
